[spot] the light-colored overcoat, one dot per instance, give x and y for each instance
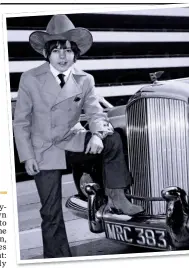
(46, 116)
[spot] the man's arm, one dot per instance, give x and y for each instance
(97, 119)
(22, 123)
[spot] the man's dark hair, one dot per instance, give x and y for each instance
(49, 46)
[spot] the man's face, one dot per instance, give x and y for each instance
(62, 58)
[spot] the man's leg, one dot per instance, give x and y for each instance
(78, 160)
(55, 243)
(115, 172)
(116, 176)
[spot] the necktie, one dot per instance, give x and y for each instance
(61, 77)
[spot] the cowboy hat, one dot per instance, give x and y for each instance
(61, 28)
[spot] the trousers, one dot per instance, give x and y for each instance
(115, 175)
(54, 236)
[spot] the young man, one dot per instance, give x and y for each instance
(50, 100)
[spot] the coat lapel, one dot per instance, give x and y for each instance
(49, 87)
(72, 86)
(56, 94)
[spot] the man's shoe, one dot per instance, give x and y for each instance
(117, 200)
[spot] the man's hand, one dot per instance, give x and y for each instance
(95, 145)
(31, 167)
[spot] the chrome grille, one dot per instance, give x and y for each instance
(158, 146)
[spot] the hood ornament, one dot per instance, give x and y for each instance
(155, 76)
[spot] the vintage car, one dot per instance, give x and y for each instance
(154, 126)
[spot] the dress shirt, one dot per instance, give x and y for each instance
(56, 72)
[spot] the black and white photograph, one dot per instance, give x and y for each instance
(100, 104)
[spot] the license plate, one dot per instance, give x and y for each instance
(136, 235)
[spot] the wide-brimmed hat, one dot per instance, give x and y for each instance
(61, 28)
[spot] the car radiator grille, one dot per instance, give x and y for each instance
(158, 146)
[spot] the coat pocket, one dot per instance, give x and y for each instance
(37, 141)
